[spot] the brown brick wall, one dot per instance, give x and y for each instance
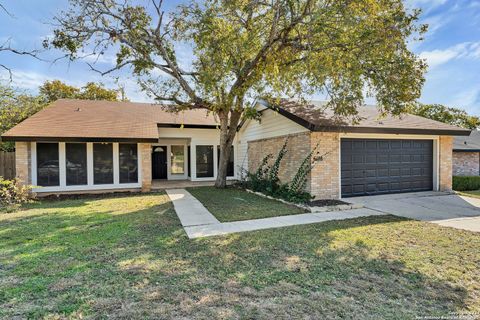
(323, 182)
(146, 160)
(23, 161)
(466, 163)
(298, 147)
(445, 149)
(325, 174)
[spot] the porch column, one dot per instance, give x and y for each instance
(146, 158)
(445, 163)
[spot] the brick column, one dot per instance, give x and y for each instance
(146, 159)
(445, 150)
(23, 162)
(325, 174)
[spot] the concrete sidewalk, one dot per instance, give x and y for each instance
(198, 222)
(275, 222)
(190, 211)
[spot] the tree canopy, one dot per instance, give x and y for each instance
(244, 49)
(56, 89)
(450, 115)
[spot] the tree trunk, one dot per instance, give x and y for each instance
(228, 131)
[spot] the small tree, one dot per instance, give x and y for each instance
(242, 49)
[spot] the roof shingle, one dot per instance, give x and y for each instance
(86, 119)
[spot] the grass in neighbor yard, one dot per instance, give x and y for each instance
(233, 204)
(474, 193)
(128, 257)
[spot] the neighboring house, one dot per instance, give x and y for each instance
(78, 145)
(466, 155)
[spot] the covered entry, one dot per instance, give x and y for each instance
(381, 166)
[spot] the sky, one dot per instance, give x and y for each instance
(451, 48)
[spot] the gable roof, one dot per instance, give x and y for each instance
(87, 120)
(316, 117)
(468, 144)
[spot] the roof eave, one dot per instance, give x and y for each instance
(76, 139)
(352, 129)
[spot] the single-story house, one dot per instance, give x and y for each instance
(466, 155)
(79, 145)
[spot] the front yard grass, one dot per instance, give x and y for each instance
(128, 257)
(234, 204)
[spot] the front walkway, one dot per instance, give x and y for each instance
(198, 222)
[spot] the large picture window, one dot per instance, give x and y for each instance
(48, 173)
(177, 159)
(76, 166)
(230, 165)
(102, 163)
(128, 159)
(204, 161)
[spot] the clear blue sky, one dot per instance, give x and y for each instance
(451, 47)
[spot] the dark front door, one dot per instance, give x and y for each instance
(380, 166)
(159, 162)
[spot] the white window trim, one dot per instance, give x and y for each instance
(436, 152)
(90, 185)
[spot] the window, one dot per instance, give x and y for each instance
(204, 161)
(102, 163)
(230, 165)
(76, 166)
(177, 159)
(128, 163)
(48, 173)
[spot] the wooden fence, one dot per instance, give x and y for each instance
(7, 165)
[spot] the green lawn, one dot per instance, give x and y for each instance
(474, 193)
(128, 257)
(233, 204)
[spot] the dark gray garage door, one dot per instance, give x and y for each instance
(379, 166)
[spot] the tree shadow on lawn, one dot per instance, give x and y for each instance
(141, 264)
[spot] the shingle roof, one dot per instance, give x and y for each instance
(95, 120)
(470, 143)
(316, 117)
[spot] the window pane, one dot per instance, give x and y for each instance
(102, 163)
(230, 165)
(128, 163)
(76, 156)
(177, 162)
(204, 161)
(47, 164)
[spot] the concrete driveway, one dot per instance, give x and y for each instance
(445, 209)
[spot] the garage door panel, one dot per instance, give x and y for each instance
(379, 166)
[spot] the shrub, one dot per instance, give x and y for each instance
(265, 178)
(13, 194)
(466, 183)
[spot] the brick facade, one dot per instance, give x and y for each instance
(146, 160)
(298, 147)
(323, 181)
(23, 160)
(325, 174)
(466, 163)
(445, 163)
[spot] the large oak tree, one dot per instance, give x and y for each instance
(243, 49)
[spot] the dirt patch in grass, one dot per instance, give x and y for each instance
(326, 203)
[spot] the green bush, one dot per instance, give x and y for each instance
(13, 194)
(467, 183)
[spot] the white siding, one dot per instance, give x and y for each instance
(272, 124)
